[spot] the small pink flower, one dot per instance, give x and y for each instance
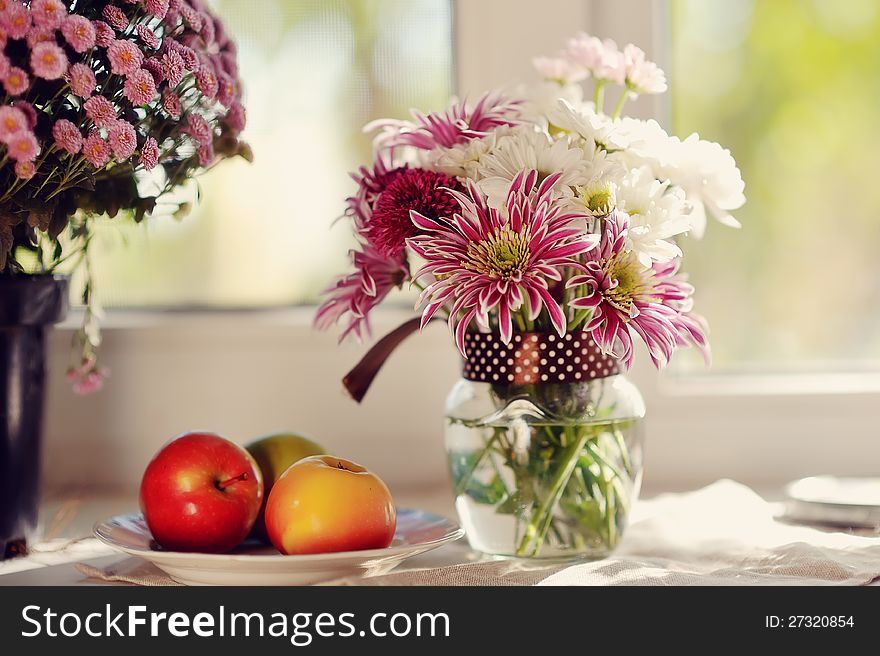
(642, 75)
(147, 36)
(48, 13)
(228, 63)
(228, 90)
(96, 150)
(104, 34)
(12, 122)
(150, 154)
(208, 31)
(40, 35)
(198, 128)
(48, 61)
(174, 66)
(5, 64)
(67, 136)
(16, 82)
(191, 17)
(140, 88)
(25, 170)
(123, 140)
(101, 111)
(115, 17)
(81, 79)
(206, 79)
(87, 378)
(16, 20)
(157, 8)
(206, 154)
(190, 58)
(154, 66)
(125, 58)
(23, 146)
(79, 33)
(171, 104)
(237, 117)
(29, 111)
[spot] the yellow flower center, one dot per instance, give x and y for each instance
(503, 254)
(631, 280)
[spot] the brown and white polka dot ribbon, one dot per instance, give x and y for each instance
(534, 358)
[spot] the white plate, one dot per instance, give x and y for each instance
(256, 564)
(836, 501)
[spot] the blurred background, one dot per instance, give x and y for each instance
(208, 322)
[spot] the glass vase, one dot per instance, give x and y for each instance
(545, 451)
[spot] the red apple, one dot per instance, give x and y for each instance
(322, 504)
(201, 492)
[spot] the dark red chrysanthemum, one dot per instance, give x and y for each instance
(411, 189)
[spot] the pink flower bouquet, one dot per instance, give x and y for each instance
(545, 232)
(99, 97)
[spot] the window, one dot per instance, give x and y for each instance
(792, 88)
(315, 71)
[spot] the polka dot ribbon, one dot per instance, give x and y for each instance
(534, 358)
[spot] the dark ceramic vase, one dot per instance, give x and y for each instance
(29, 305)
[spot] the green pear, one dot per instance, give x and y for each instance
(274, 454)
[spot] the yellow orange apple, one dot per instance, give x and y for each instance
(323, 504)
(274, 454)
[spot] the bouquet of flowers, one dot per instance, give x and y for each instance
(537, 213)
(109, 105)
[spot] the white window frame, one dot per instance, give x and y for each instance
(246, 373)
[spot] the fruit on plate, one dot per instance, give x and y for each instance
(323, 504)
(274, 454)
(201, 492)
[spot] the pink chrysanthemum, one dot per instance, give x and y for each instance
(101, 111)
(25, 170)
(125, 57)
(483, 260)
(48, 13)
(79, 33)
(227, 93)
(157, 8)
(122, 139)
(5, 64)
(236, 118)
(104, 34)
(140, 88)
(23, 146)
(16, 20)
(171, 104)
(67, 136)
(456, 125)
(206, 80)
(30, 112)
(174, 67)
(192, 17)
(206, 154)
(81, 79)
(115, 17)
(416, 190)
(625, 297)
(96, 150)
(371, 182)
(198, 128)
(150, 154)
(353, 296)
(12, 121)
(147, 36)
(48, 61)
(40, 35)
(154, 66)
(16, 82)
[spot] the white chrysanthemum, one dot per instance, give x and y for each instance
(463, 159)
(710, 179)
(645, 143)
(526, 147)
(657, 211)
(542, 99)
(581, 119)
(598, 197)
